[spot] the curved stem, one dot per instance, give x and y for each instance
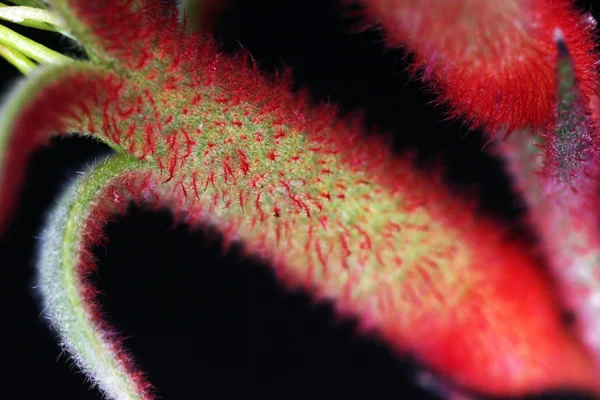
(62, 259)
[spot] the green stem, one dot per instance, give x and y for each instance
(63, 245)
(31, 17)
(17, 59)
(29, 3)
(43, 25)
(31, 49)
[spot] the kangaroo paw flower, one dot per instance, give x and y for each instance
(331, 209)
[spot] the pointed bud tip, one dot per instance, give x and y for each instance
(559, 39)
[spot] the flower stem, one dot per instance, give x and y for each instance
(30, 16)
(29, 3)
(31, 49)
(62, 258)
(17, 59)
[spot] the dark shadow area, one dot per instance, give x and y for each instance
(357, 72)
(225, 325)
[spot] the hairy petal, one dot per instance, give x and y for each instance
(99, 27)
(491, 61)
(339, 215)
(450, 292)
(558, 172)
(65, 260)
(52, 100)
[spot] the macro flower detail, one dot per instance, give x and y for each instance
(526, 73)
(331, 209)
(492, 63)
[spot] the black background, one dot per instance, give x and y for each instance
(208, 325)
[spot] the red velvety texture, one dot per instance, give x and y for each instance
(72, 96)
(492, 62)
(507, 337)
(513, 315)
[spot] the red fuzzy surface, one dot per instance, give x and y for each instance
(72, 96)
(112, 201)
(68, 103)
(505, 336)
(560, 182)
(492, 62)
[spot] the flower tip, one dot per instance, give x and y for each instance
(559, 39)
(558, 35)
